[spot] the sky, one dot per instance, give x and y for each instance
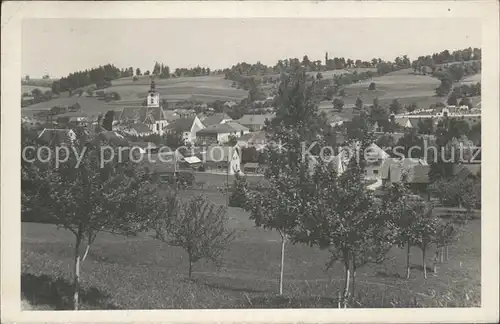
(60, 46)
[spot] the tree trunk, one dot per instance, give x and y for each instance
(76, 279)
(435, 261)
(441, 254)
(190, 271)
(282, 267)
(408, 260)
(346, 286)
(353, 274)
(423, 262)
(446, 253)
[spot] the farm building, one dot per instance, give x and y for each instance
(154, 117)
(220, 133)
(254, 122)
(77, 118)
(251, 167)
(416, 170)
(218, 118)
(219, 158)
(187, 126)
(137, 130)
(57, 136)
(255, 139)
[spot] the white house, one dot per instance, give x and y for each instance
(225, 159)
(221, 133)
(187, 126)
(218, 118)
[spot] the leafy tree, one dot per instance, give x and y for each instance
(232, 141)
(173, 139)
(197, 226)
(338, 104)
(359, 104)
(138, 72)
(238, 193)
(107, 123)
(452, 99)
(412, 107)
(395, 107)
(85, 198)
(426, 126)
(465, 102)
(297, 121)
(343, 216)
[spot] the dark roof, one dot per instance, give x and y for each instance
(215, 119)
(254, 119)
(56, 136)
(393, 168)
(255, 138)
(217, 129)
(237, 126)
(466, 170)
(181, 124)
(113, 138)
(141, 128)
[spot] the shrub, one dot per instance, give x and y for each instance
(372, 86)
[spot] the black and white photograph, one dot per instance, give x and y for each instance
(261, 164)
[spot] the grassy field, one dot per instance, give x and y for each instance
(204, 88)
(29, 88)
(407, 88)
(141, 273)
(471, 79)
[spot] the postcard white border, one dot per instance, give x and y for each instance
(14, 12)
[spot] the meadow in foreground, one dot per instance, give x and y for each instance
(142, 273)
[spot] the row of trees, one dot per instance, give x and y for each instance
(88, 196)
(100, 76)
(445, 57)
(310, 203)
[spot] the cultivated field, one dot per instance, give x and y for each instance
(29, 88)
(141, 273)
(203, 88)
(407, 88)
(471, 79)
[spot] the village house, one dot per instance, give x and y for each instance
(136, 130)
(76, 118)
(226, 159)
(154, 118)
(220, 133)
(230, 104)
(52, 136)
(255, 139)
(217, 118)
(254, 122)
(415, 170)
(187, 127)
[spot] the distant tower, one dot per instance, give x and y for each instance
(153, 100)
(326, 58)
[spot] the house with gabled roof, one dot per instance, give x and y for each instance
(221, 133)
(51, 136)
(254, 122)
(217, 118)
(154, 117)
(187, 127)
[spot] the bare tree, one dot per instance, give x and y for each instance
(197, 226)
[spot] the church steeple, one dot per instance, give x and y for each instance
(153, 100)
